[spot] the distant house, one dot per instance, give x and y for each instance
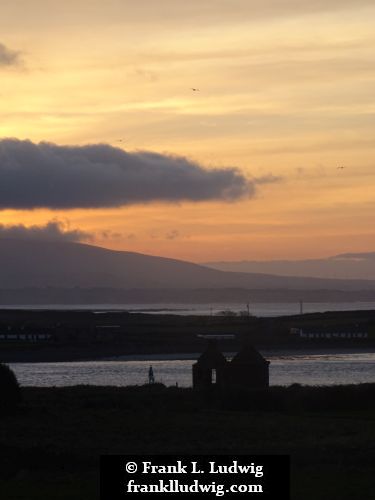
(248, 369)
(25, 337)
(298, 332)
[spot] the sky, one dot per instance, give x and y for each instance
(103, 139)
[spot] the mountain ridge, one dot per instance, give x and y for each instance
(350, 265)
(33, 263)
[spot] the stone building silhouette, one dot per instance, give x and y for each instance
(248, 369)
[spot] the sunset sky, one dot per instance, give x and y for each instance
(286, 96)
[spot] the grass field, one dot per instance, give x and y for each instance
(50, 447)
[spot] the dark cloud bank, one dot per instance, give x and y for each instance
(46, 175)
(53, 231)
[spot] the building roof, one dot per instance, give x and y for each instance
(212, 356)
(248, 355)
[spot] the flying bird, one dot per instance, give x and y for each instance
(340, 167)
(194, 90)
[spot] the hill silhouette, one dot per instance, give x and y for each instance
(30, 263)
(341, 266)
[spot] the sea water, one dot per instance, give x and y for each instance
(309, 368)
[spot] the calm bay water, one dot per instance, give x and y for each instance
(285, 369)
(256, 309)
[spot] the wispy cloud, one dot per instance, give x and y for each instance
(9, 57)
(173, 234)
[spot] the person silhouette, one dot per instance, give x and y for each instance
(151, 378)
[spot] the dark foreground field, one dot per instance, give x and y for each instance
(50, 447)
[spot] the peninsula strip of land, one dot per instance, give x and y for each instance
(51, 335)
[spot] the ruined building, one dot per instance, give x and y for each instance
(248, 369)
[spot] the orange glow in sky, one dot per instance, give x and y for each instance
(284, 90)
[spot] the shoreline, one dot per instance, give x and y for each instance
(176, 356)
(261, 308)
